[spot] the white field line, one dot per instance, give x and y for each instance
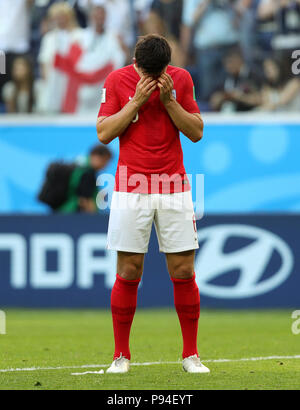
(95, 366)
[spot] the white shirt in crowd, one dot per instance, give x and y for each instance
(216, 27)
(99, 51)
(119, 17)
(142, 6)
(14, 26)
(57, 41)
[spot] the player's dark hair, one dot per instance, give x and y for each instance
(153, 53)
(101, 151)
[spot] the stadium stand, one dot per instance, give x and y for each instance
(238, 51)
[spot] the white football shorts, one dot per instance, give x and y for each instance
(132, 216)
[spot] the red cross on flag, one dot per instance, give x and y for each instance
(78, 74)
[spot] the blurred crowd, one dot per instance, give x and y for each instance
(58, 52)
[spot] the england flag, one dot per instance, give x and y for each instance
(78, 68)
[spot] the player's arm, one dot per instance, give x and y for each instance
(191, 125)
(109, 128)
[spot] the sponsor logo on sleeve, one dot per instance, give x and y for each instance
(103, 96)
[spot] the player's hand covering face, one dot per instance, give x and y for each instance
(144, 89)
(166, 85)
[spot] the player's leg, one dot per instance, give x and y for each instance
(186, 298)
(177, 236)
(128, 234)
(123, 306)
(187, 304)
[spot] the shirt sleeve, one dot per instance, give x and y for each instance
(110, 103)
(188, 99)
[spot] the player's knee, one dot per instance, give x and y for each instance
(183, 271)
(131, 271)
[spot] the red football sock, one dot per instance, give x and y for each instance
(123, 307)
(187, 304)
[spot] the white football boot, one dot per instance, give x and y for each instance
(120, 365)
(193, 364)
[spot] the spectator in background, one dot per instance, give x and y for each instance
(19, 93)
(165, 19)
(212, 22)
(267, 22)
(240, 80)
(166, 16)
(64, 32)
(41, 24)
(83, 191)
(288, 17)
(101, 54)
(72, 187)
(86, 65)
(141, 11)
(119, 19)
(14, 32)
(247, 13)
(277, 93)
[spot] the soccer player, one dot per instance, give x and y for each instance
(146, 105)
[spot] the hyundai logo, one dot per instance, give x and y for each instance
(252, 261)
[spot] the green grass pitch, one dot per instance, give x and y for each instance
(59, 339)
